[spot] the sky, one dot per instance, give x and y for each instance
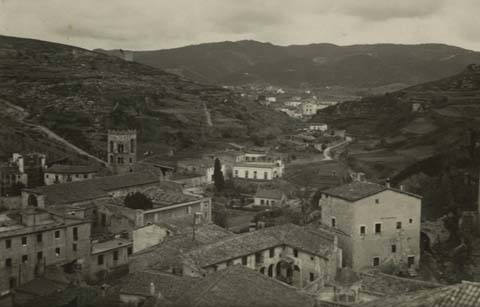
(162, 24)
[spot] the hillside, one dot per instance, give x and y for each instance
(315, 64)
(79, 94)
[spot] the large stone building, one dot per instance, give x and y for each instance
(33, 238)
(292, 254)
(380, 225)
(122, 150)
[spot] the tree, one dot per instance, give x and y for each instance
(138, 200)
(218, 176)
(220, 215)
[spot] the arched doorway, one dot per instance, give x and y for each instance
(32, 201)
(270, 270)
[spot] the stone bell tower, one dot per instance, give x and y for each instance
(122, 150)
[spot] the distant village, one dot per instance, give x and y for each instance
(229, 226)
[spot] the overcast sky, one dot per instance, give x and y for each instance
(159, 24)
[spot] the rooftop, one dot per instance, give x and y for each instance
(313, 241)
(240, 286)
(171, 287)
(71, 192)
(270, 194)
(71, 169)
(101, 247)
(360, 189)
(163, 197)
(268, 165)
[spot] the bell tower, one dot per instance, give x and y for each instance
(122, 150)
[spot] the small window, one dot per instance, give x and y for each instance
(129, 250)
(24, 258)
(377, 201)
(75, 233)
(262, 201)
(258, 257)
(312, 276)
(39, 238)
(376, 261)
(57, 234)
(272, 252)
(411, 261)
(57, 251)
(410, 221)
(24, 241)
(77, 175)
(8, 262)
(8, 243)
(74, 247)
(334, 222)
(100, 260)
(115, 256)
(363, 230)
(244, 260)
(85, 176)
(295, 253)
(378, 228)
(399, 225)
(394, 248)
(39, 255)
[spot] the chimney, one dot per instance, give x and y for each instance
(152, 289)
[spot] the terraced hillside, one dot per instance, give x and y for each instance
(79, 94)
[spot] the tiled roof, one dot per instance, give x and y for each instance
(163, 197)
(466, 294)
(240, 286)
(171, 287)
(66, 193)
(71, 169)
(270, 194)
(313, 241)
(360, 189)
(391, 285)
(101, 247)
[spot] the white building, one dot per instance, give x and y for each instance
(269, 198)
(259, 170)
(309, 108)
(317, 127)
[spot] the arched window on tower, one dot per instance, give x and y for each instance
(32, 201)
(111, 146)
(132, 145)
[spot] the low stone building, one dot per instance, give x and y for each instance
(59, 173)
(108, 259)
(269, 198)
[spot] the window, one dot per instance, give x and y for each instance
(399, 225)
(24, 241)
(103, 219)
(74, 247)
(115, 256)
(258, 257)
(39, 238)
(77, 175)
(12, 282)
(377, 201)
(100, 260)
(378, 228)
(312, 276)
(57, 251)
(85, 176)
(394, 248)
(57, 234)
(272, 252)
(262, 201)
(8, 262)
(130, 160)
(410, 221)
(75, 233)
(39, 255)
(334, 222)
(132, 145)
(129, 250)
(24, 258)
(295, 253)
(244, 260)
(254, 174)
(236, 173)
(120, 148)
(8, 243)
(376, 261)
(411, 261)
(265, 175)
(363, 230)
(246, 174)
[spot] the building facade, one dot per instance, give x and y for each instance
(381, 225)
(58, 173)
(122, 150)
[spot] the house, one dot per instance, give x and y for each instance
(238, 286)
(381, 224)
(139, 287)
(317, 127)
(21, 171)
(204, 167)
(259, 171)
(269, 198)
(292, 254)
(109, 257)
(309, 108)
(59, 173)
(32, 239)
